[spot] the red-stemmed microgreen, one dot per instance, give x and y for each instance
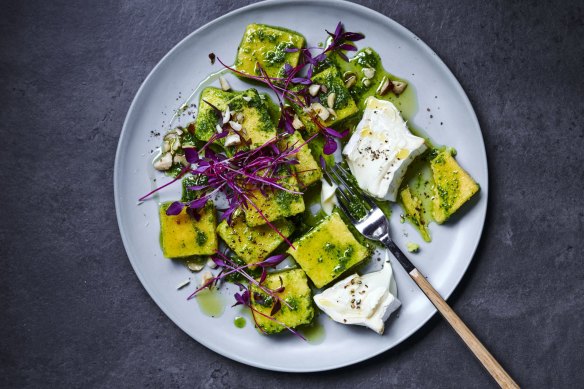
(293, 87)
(183, 171)
(340, 41)
(285, 93)
(244, 296)
(238, 177)
(343, 41)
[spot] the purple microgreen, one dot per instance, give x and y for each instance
(276, 307)
(302, 80)
(177, 178)
(330, 145)
(175, 208)
(218, 261)
(343, 56)
(338, 30)
(319, 58)
(198, 203)
(260, 170)
(335, 133)
(194, 213)
(298, 334)
(192, 155)
(263, 276)
(269, 223)
(197, 187)
(217, 111)
(242, 298)
(353, 36)
(259, 298)
(347, 47)
(281, 288)
(272, 261)
(339, 39)
(322, 162)
(286, 119)
(287, 69)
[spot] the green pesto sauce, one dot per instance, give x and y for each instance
(210, 302)
(174, 170)
(273, 108)
(262, 35)
(420, 182)
(188, 194)
(313, 213)
(285, 199)
(239, 321)
(335, 85)
(385, 207)
(189, 139)
(201, 238)
(357, 209)
(264, 300)
(277, 56)
(207, 120)
(344, 258)
(448, 193)
(292, 301)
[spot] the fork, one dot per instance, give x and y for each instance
(374, 225)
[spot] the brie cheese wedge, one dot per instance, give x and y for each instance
(361, 300)
(381, 149)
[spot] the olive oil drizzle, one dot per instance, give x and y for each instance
(211, 302)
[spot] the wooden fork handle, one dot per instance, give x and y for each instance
(483, 355)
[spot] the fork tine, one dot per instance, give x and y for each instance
(341, 180)
(334, 179)
(343, 176)
(343, 188)
(344, 195)
(347, 211)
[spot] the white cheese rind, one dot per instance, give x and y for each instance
(381, 149)
(328, 198)
(361, 300)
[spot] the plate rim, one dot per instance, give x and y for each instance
(369, 13)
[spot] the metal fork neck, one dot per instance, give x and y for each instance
(399, 255)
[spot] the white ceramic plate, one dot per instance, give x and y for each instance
(444, 260)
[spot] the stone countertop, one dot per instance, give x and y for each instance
(72, 311)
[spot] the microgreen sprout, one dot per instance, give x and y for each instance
(238, 177)
(261, 169)
(244, 296)
(293, 88)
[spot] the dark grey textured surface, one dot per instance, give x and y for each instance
(72, 312)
